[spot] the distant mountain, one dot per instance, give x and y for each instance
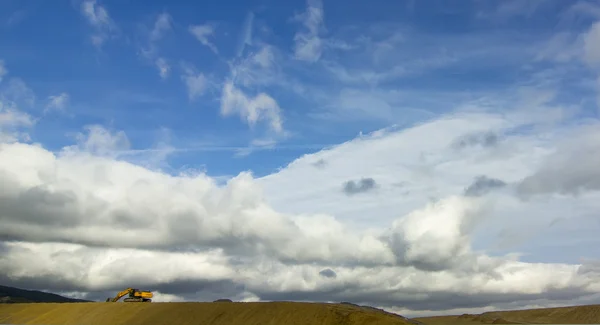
(16, 295)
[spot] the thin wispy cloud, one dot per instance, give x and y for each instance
(163, 67)
(245, 37)
(308, 44)
(202, 33)
(97, 17)
(195, 82)
(162, 25)
(57, 102)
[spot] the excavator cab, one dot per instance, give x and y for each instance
(135, 295)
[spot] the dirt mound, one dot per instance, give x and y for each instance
(182, 313)
(589, 314)
(466, 316)
(502, 321)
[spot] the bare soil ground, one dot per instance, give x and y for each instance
(182, 313)
(589, 314)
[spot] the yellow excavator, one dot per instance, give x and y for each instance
(135, 295)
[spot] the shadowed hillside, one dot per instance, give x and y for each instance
(589, 314)
(181, 313)
(16, 295)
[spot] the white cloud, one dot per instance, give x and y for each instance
(264, 58)
(202, 33)
(13, 117)
(196, 83)
(579, 155)
(162, 25)
(308, 44)
(12, 120)
(429, 154)
(99, 141)
(163, 67)
(259, 68)
(58, 102)
(97, 16)
(18, 92)
(262, 106)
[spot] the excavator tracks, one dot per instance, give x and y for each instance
(137, 300)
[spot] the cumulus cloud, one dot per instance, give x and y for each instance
(202, 33)
(99, 141)
(308, 44)
(232, 217)
(87, 209)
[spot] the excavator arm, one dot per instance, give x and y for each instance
(135, 295)
(120, 295)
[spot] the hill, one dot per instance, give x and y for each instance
(182, 313)
(37, 307)
(589, 314)
(16, 295)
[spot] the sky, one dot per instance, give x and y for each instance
(425, 157)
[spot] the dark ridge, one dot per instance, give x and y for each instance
(10, 295)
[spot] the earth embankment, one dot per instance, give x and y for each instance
(182, 313)
(589, 314)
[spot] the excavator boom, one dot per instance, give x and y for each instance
(135, 295)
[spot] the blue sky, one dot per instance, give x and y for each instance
(379, 64)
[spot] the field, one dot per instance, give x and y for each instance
(267, 313)
(182, 313)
